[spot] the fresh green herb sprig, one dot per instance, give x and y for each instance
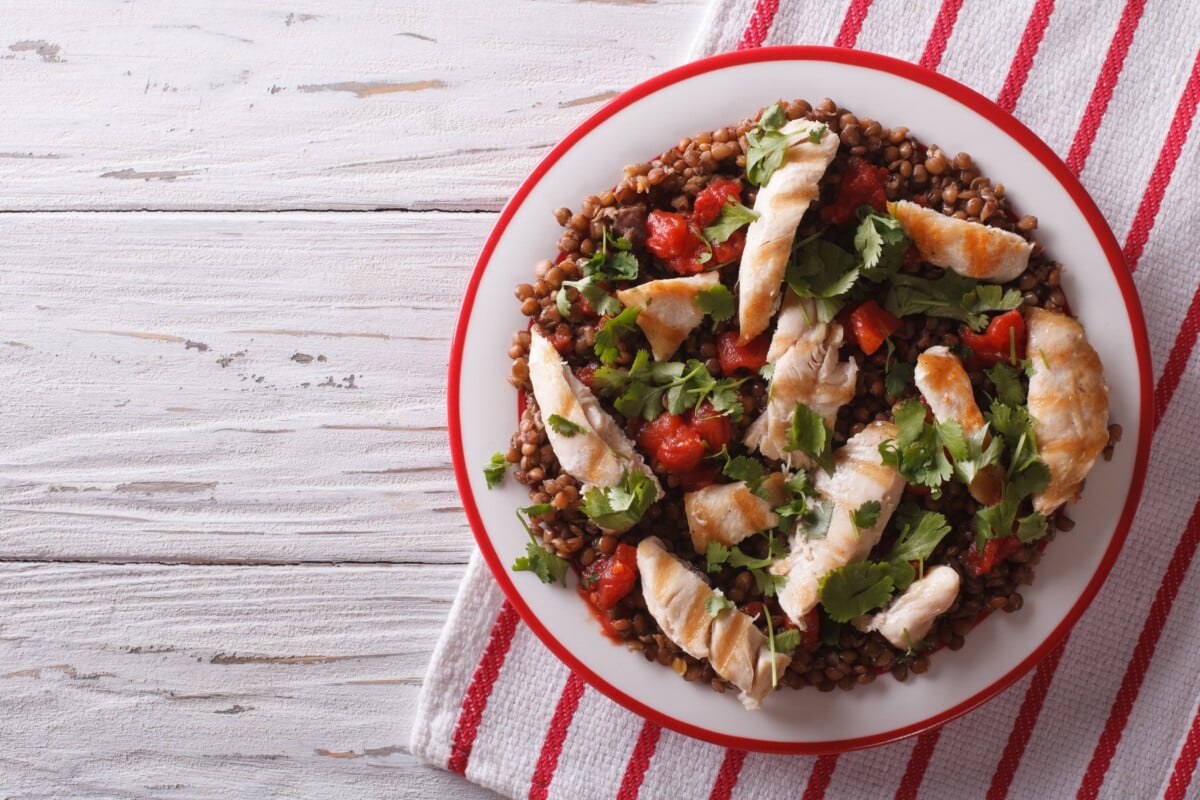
(618, 508)
(733, 216)
(608, 336)
(718, 302)
(589, 287)
(807, 433)
(766, 144)
(493, 471)
(951, 296)
(549, 567)
(641, 390)
(619, 265)
(563, 426)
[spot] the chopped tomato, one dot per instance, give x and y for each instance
(1004, 340)
(810, 637)
(872, 325)
(585, 374)
(752, 609)
(730, 249)
(670, 235)
(714, 427)
(687, 264)
(711, 200)
(862, 185)
(672, 442)
(607, 581)
(698, 478)
(562, 340)
(734, 356)
(994, 551)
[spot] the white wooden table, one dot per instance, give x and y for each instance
(233, 242)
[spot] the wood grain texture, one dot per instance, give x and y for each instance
(185, 682)
(231, 387)
(348, 105)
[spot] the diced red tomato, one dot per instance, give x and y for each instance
(714, 428)
(711, 200)
(872, 325)
(734, 356)
(810, 637)
(730, 249)
(862, 185)
(585, 374)
(1003, 339)
(698, 478)
(669, 235)
(562, 340)
(672, 442)
(994, 551)
(607, 581)
(752, 609)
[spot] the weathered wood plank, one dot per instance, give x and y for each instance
(230, 387)
(348, 105)
(174, 682)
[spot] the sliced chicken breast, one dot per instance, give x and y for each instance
(807, 370)
(669, 310)
(729, 512)
(971, 249)
(599, 454)
(946, 387)
(859, 476)
(780, 205)
(677, 598)
(1068, 400)
(909, 617)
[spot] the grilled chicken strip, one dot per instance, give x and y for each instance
(909, 617)
(1068, 400)
(971, 249)
(729, 512)
(780, 206)
(859, 476)
(599, 454)
(677, 598)
(669, 310)
(807, 370)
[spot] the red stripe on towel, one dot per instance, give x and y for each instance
(1181, 353)
(852, 24)
(639, 761)
(759, 25)
(1102, 92)
(1027, 717)
(1027, 50)
(727, 777)
(943, 26)
(1143, 653)
(918, 760)
(552, 747)
(1185, 764)
(1181, 123)
(480, 688)
(819, 778)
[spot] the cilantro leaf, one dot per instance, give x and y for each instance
(618, 508)
(854, 589)
(602, 302)
(715, 554)
(714, 605)
(823, 271)
(609, 334)
(536, 510)
(996, 522)
(920, 533)
(786, 641)
(773, 118)
(1008, 387)
(951, 296)
(1031, 527)
(881, 242)
(899, 378)
(809, 434)
(816, 134)
(733, 216)
(767, 371)
(919, 450)
(814, 524)
(548, 567)
(865, 516)
(564, 426)
(493, 471)
(717, 302)
(749, 470)
(977, 456)
(766, 144)
(619, 266)
(643, 387)
(902, 573)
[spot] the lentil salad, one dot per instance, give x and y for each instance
(683, 215)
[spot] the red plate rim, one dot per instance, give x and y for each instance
(995, 115)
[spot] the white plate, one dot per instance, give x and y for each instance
(705, 95)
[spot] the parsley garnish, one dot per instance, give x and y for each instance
(976, 455)
(733, 216)
(996, 522)
(1008, 387)
(919, 450)
(766, 144)
(610, 333)
(769, 584)
(641, 389)
(866, 515)
(536, 510)
(493, 471)
(814, 524)
(920, 532)
(602, 302)
(717, 302)
(785, 641)
(809, 434)
(881, 243)
(743, 468)
(899, 377)
(854, 589)
(619, 266)
(541, 562)
(618, 508)
(823, 271)
(564, 426)
(714, 605)
(951, 296)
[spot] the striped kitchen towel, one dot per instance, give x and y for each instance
(1112, 86)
